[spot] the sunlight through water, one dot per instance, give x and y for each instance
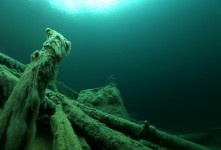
(91, 6)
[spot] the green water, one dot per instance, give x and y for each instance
(164, 54)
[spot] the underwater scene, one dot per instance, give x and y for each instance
(110, 75)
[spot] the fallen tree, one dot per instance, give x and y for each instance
(20, 111)
(74, 125)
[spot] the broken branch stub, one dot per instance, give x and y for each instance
(18, 117)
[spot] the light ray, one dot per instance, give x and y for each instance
(94, 6)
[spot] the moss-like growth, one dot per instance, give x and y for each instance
(18, 117)
(107, 99)
(64, 136)
(101, 130)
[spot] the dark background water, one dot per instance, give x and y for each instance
(164, 54)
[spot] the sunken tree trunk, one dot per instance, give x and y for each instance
(78, 123)
(19, 114)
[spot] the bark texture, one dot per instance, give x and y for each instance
(75, 122)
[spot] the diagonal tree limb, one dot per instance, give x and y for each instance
(162, 138)
(11, 63)
(19, 68)
(18, 117)
(138, 131)
(64, 136)
(144, 131)
(93, 129)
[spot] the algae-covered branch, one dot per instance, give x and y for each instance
(37, 112)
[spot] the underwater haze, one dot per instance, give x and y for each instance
(165, 55)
